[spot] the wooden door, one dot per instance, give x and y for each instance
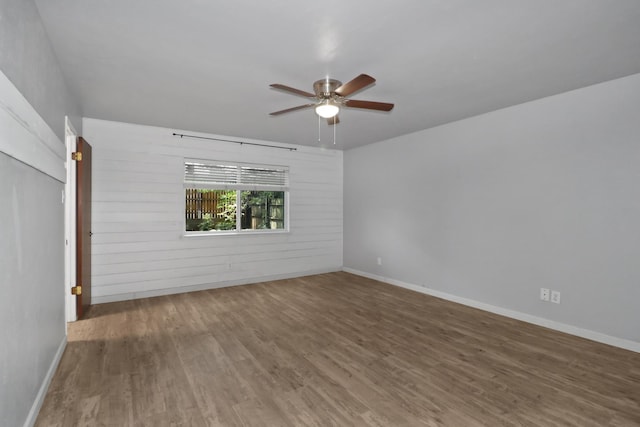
(83, 227)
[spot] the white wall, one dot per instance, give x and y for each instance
(491, 208)
(28, 60)
(31, 294)
(33, 100)
(138, 208)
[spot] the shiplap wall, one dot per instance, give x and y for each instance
(139, 248)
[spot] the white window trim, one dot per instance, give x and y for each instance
(238, 188)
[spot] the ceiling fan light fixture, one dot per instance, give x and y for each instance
(327, 109)
(330, 95)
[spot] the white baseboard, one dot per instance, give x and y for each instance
(551, 324)
(205, 286)
(37, 403)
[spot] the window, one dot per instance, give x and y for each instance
(223, 197)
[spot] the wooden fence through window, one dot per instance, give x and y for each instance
(198, 203)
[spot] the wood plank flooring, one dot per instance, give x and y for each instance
(332, 349)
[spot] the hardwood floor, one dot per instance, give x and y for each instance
(331, 349)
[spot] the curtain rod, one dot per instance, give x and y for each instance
(181, 135)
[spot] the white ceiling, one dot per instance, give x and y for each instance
(206, 65)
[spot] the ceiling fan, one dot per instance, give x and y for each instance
(330, 95)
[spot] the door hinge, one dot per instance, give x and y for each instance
(77, 156)
(76, 290)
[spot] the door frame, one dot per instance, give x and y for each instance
(70, 136)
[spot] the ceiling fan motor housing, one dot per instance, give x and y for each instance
(324, 89)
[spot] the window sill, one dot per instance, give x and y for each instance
(197, 234)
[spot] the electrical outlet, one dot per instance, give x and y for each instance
(379, 261)
(544, 294)
(555, 297)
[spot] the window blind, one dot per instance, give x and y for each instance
(235, 176)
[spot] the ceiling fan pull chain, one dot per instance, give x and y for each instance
(334, 133)
(318, 128)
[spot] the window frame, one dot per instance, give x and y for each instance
(238, 187)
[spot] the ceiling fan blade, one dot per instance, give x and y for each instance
(299, 107)
(369, 105)
(293, 90)
(362, 81)
(333, 120)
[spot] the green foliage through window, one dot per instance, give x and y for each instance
(216, 210)
(262, 210)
